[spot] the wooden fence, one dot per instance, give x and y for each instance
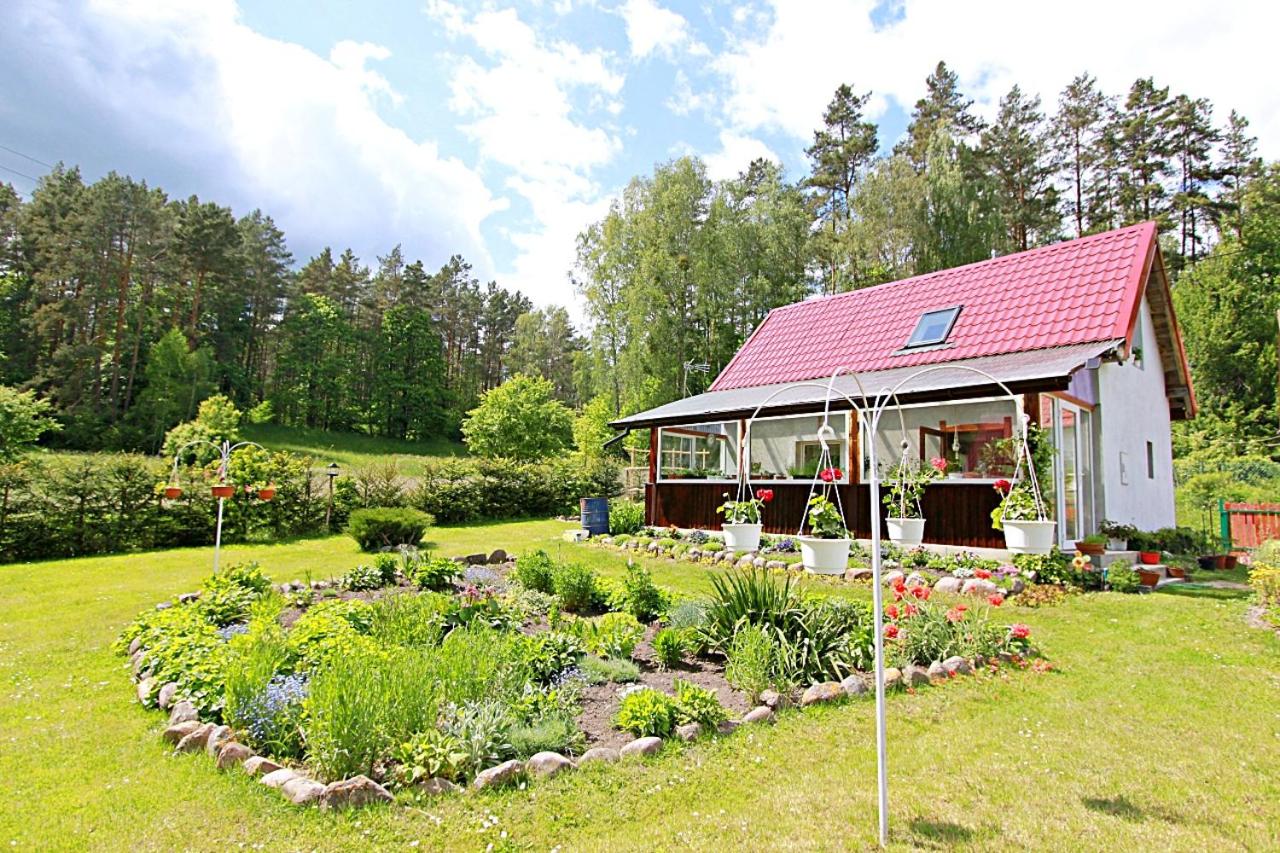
(1247, 525)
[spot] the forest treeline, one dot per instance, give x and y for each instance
(124, 308)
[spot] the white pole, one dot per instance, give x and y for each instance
(877, 599)
(217, 540)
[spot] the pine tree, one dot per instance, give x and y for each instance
(942, 106)
(1193, 138)
(1016, 152)
(1077, 131)
(1238, 165)
(841, 152)
(1144, 141)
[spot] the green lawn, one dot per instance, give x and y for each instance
(1158, 729)
(349, 449)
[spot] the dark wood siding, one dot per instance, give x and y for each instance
(955, 513)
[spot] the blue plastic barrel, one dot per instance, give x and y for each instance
(595, 515)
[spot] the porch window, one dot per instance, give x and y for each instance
(976, 437)
(699, 452)
(787, 448)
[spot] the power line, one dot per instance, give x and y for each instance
(20, 174)
(27, 157)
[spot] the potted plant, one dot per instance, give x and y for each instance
(742, 525)
(1095, 545)
(1020, 516)
(906, 484)
(172, 491)
(1118, 535)
(222, 489)
(825, 551)
(266, 492)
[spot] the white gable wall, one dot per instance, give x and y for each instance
(1134, 410)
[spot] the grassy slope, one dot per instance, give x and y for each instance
(351, 450)
(1159, 730)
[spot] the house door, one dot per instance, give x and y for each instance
(1073, 436)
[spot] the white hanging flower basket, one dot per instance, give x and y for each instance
(906, 531)
(1029, 537)
(824, 556)
(741, 537)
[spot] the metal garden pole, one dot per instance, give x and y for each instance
(877, 601)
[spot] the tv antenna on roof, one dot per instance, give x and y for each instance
(696, 366)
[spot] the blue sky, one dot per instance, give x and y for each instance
(498, 131)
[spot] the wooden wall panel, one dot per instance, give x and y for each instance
(956, 513)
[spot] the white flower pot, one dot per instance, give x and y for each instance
(906, 531)
(1117, 544)
(1029, 537)
(741, 537)
(824, 556)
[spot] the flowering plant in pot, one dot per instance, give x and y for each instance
(742, 525)
(906, 484)
(222, 489)
(1020, 516)
(825, 550)
(1095, 545)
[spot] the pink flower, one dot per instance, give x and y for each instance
(955, 614)
(939, 464)
(891, 632)
(996, 600)
(892, 611)
(909, 610)
(1019, 631)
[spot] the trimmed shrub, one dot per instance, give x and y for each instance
(387, 527)
(459, 491)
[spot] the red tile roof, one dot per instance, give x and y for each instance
(1080, 291)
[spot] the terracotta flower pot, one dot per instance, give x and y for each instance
(1175, 572)
(267, 494)
(173, 492)
(1150, 558)
(1148, 578)
(1093, 549)
(223, 490)
(1231, 562)
(1220, 561)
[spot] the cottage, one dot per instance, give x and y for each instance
(1082, 332)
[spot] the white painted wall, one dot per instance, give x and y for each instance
(1133, 409)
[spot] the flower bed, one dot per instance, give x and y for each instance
(412, 676)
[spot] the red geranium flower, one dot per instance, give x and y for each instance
(955, 614)
(1019, 631)
(891, 632)
(909, 610)
(921, 592)
(996, 600)
(982, 573)
(1002, 486)
(765, 495)
(939, 464)
(892, 611)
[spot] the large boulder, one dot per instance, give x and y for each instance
(503, 774)
(936, 671)
(277, 778)
(979, 586)
(602, 754)
(892, 677)
(956, 665)
(178, 731)
(145, 688)
(642, 746)
(917, 579)
(182, 712)
(853, 685)
(300, 790)
(217, 737)
(820, 694)
(353, 793)
(195, 741)
(915, 675)
(689, 731)
(548, 764)
(772, 699)
(168, 692)
(435, 786)
(231, 754)
(259, 765)
(949, 585)
(760, 714)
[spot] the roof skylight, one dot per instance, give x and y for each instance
(933, 327)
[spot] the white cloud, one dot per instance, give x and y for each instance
(272, 124)
(651, 27)
(780, 78)
(520, 102)
(735, 155)
(684, 100)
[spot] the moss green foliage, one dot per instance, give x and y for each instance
(639, 596)
(227, 596)
(387, 527)
(409, 619)
(536, 571)
(576, 586)
(625, 517)
(520, 419)
(332, 629)
(601, 670)
(1121, 577)
(696, 704)
(646, 713)
(23, 419)
(670, 645)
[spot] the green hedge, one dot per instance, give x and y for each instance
(457, 491)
